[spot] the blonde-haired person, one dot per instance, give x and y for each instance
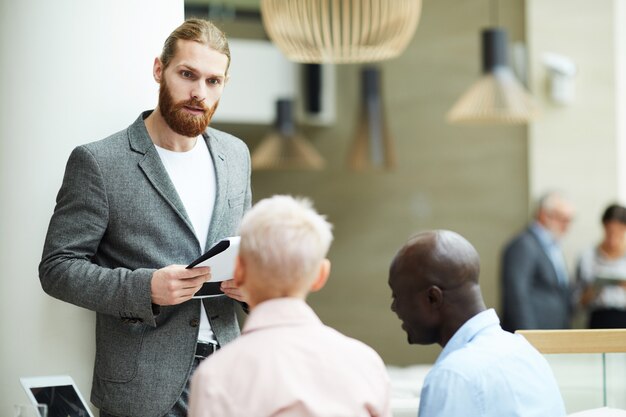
(287, 362)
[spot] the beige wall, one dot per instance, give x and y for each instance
(469, 179)
(579, 148)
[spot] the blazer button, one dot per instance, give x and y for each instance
(194, 323)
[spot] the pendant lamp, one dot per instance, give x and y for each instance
(497, 97)
(372, 146)
(340, 31)
(283, 147)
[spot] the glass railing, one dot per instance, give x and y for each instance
(589, 365)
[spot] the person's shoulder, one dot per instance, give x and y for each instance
(523, 236)
(523, 240)
(120, 140)
(101, 149)
(117, 138)
(226, 140)
(490, 350)
(352, 345)
(484, 348)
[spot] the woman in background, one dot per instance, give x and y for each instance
(601, 273)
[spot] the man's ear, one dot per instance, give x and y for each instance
(157, 70)
(435, 296)
(240, 272)
(322, 276)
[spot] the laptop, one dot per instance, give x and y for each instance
(59, 393)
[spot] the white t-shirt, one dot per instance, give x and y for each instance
(592, 266)
(193, 176)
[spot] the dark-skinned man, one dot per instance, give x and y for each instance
(482, 371)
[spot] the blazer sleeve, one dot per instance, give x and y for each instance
(79, 222)
(248, 199)
(517, 280)
(246, 205)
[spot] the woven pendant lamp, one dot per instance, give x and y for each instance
(284, 148)
(340, 31)
(497, 97)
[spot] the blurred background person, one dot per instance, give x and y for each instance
(601, 273)
(536, 290)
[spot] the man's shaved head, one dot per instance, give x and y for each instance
(434, 283)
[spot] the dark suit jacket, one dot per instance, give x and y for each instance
(118, 218)
(532, 297)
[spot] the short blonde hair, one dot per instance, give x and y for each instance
(197, 30)
(285, 239)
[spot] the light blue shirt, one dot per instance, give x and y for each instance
(552, 248)
(484, 371)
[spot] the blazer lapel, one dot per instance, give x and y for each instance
(221, 180)
(548, 259)
(152, 166)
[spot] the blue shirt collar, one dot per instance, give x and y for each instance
(468, 331)
(545, 237)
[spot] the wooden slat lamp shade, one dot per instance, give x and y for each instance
(340, 31)
(497, 97)
(284, 148)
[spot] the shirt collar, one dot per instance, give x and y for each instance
(468, 331)
(543, 235)
(280, 312)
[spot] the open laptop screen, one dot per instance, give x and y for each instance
(59, 393)
(62, 401)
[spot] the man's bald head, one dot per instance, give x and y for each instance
(434, 283)
(439, 257)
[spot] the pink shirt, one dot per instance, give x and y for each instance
(288, 363)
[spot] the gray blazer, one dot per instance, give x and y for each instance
(117, 219)
(532, 297)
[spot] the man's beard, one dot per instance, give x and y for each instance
(178, 119)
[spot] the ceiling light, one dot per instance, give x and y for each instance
(340, 31)
(283, 147)
(497, 97)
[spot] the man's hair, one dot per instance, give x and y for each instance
(285, 239)
(549, 201)
(197, 30)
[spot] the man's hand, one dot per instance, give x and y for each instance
(175, 284)
(230, 289)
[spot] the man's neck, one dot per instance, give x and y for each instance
(258, 298)
(545, 233)
(164, 137)
(457, 321)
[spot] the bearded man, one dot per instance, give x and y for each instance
(132, 211)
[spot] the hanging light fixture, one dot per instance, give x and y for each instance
(372, 146)
(497, 97)
(284, 148)
(340, 31)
